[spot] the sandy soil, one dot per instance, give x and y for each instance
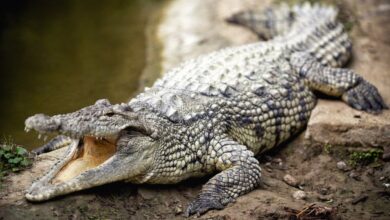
(334, 132)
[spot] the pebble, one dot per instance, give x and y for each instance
(325, 197)
(354, 175)
(324, 191)
(299, 195)
(146, 194)
(386, 156)
(277, 160)
(268, 158)
(341, 165)
(361, 198)
(178, 210)
(290, 180)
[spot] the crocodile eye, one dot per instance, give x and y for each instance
(110, 114)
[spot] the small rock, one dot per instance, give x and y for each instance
(268, 158)
(277, 160)
(178, 210)
(370, 171)
(381, 178)
(354, 175)
(361, 198)
(386, 156)
(299, 195)
(290, 180)
(341, 165)
(146, 194)
(324, 191)
(325, 197)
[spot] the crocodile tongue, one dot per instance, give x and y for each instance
(92, 153)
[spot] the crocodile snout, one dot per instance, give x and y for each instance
(42, 123)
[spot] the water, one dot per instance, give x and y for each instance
(59, 56)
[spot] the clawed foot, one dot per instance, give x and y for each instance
(365, 97)
(40, 150)
(204, 203)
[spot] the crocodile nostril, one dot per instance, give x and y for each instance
(42, 123)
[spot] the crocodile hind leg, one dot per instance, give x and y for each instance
(338, 82)
(240, 174)
(54, 144)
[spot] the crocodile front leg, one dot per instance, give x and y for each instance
(240, 174)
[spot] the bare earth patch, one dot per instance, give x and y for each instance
(319, 163)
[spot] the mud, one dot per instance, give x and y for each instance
(335, 131)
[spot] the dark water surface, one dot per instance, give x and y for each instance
(59, 56)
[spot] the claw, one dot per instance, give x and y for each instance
(203, 204)
(366, 97)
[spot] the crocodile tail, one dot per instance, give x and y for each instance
(266, 24)
(305, 27)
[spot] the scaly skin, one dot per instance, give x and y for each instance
(214, 113)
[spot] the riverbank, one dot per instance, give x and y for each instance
(319, 160)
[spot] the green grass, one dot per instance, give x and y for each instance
(328, 148)
(13, 158)
(363, 158)
(355, 158)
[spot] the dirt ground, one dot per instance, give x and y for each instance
(320, 159)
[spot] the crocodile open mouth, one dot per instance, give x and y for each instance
(84, 165)
(88, 153)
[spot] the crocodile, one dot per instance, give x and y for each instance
(212, 114)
